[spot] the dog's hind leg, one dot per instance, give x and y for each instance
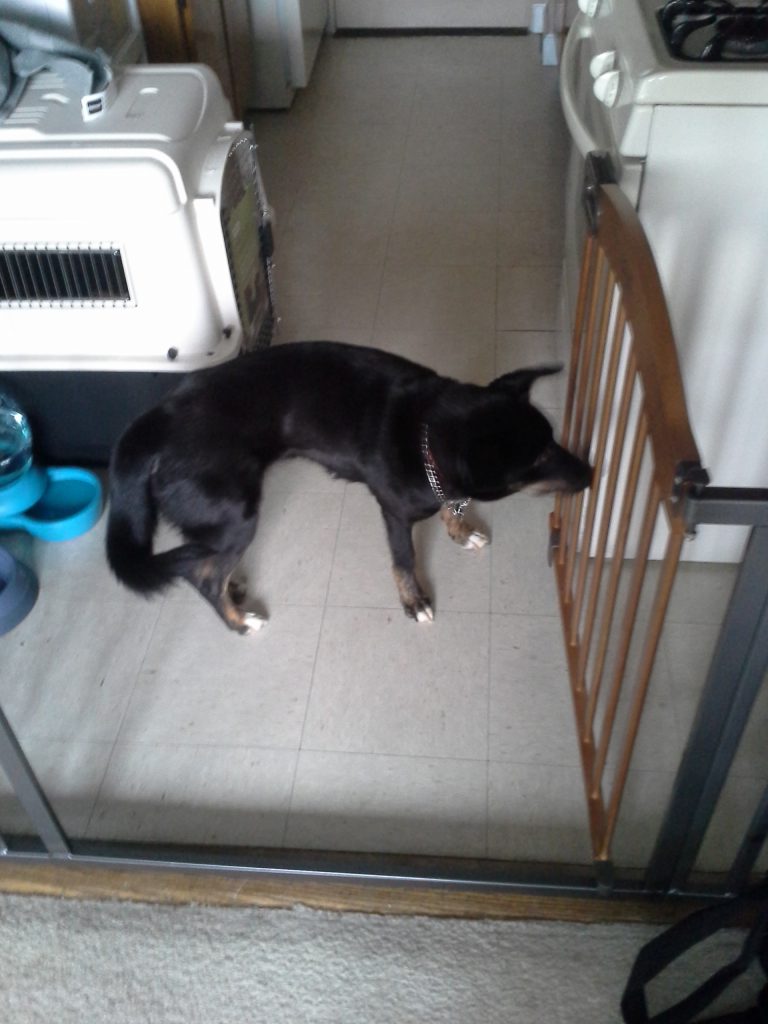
(238, 587)
(461, 532)
(218, 516)
(212, 578)
(413, 599)
(223, 530)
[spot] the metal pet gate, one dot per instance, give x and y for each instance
(615, 550)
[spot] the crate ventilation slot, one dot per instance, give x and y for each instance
(54, 276)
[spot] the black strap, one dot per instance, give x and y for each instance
(657, 954)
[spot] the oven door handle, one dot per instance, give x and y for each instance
(582, 137)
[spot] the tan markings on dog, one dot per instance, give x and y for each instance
(460, 531)
(204, 571)
(457, 527)
(407, 587)
(411, 596)
(545, 487)
(234, 615)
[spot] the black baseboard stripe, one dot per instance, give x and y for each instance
(360, 33)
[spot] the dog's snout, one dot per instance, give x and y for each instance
(565, 470)
(581, 473)
(584, 473)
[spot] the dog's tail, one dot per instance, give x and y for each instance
(133, 512)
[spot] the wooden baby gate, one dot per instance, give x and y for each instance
(616, 547)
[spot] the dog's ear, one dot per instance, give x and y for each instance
(519, 382)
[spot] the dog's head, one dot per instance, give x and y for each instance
(509, 445)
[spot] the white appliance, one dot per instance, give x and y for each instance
(285, 41)
(134, 245)
(112, 25)
(688, 139)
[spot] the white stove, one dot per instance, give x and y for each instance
(677, 94)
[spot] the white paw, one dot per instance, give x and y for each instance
(253, 623)
(425, 614)
(475, 541)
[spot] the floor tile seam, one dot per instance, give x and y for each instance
(526, 265)
(436, 264)
(287, 216)
(377, 312)
(673, 619)
(289, 802)
(487, 839)
(559, 763)
(30, 738)
(499, 172)
(489, 723)
(517, 688)
(354, 66)
(395, 606)
(317, 248)
(261, 600)
(522, 614)
(485, 761)
(526, 615)
(180, 744)
(638, 771)
(399, 756)
(743, 775)
(530, 330)
(344, 215)
(139, 671)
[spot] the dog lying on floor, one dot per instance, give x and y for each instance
(422, 443)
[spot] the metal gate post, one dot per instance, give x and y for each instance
(23, 782)
(735, 676)
(750, 848)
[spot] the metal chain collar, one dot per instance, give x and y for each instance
(457, 506)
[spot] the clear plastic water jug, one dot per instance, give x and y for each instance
(15, 440)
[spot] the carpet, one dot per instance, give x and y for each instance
(125, 963)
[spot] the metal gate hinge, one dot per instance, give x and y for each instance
(553, 545)
(690, 480)
(598, 170)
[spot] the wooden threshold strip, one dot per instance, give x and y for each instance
(176, 887)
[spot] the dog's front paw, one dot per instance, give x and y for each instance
(475, 541)
(252, 623)
(415, 604)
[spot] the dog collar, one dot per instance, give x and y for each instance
(458, 506)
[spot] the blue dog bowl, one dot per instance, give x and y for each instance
(23, 492)
(18, 591)
(68, 505)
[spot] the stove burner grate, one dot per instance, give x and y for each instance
(715, 30)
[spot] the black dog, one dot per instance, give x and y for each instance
(422, 443)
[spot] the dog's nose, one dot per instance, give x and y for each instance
(581, 473)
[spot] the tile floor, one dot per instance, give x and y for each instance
(418, 188)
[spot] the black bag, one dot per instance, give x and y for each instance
(665, 948)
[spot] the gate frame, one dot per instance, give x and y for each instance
(621, 310)
(737, 672)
